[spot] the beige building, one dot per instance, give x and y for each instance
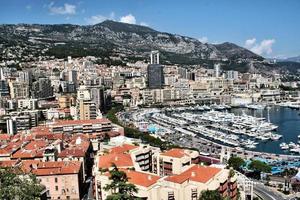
(173, 161)
(86, 110)
(19, 90)
(63, 180)
(187, 185)
(168, 175)
(66, 101)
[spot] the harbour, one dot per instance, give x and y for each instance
(288, 122)
(269, 129)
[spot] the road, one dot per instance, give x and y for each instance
(265, 193)
(89, 195)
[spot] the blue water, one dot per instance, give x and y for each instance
(287, 120)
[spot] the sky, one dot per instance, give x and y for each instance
(270, 28)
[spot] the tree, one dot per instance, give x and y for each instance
(210, 195)
(19, 186)
(236, 162)
(119, 186)
(259, 166)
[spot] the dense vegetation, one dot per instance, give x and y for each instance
(236, 162)
(259, 166)
(14, 185)
(211, 195)
(119, 187)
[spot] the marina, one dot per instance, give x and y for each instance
(270, 129)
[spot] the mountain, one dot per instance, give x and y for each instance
(293, 59)
(109, 40)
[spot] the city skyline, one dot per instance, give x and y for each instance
(267, 28)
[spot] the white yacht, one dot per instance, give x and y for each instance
(256, 106)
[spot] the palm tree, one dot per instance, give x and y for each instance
(119, 186)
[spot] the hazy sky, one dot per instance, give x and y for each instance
(267, 27)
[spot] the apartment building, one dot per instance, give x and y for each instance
(81, 126)
(62, 180)
(173, 176)
(18, 90)
(174, 161)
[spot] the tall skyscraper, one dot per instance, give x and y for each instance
(25, 76)
(42, 88)
(154, 57)
(19, 90)
(155, 72)
(4, 91)
(86, 108)
(217, 70)
(11, 126)
(2, 77)
(72, 77)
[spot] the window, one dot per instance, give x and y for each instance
(55, 180)
(56, 188)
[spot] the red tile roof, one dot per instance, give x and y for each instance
(5, 137)
(77, 146)
(11, 147)
(50, 136)
(120, 160)
(175, 152)
(196, 173)
(74, 152)
(141, 178)
(122, 149)
(8, 163)
(79, 122)
(57, 168)
(34, 149)
(44, 168)
(40, 130)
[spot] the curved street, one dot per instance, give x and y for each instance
(265, 193)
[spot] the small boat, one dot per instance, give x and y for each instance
(284, 146)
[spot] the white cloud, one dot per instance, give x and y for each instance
(203, 39)
(129, 19)
(262, 48)
(250, 42)
(28, 7)
(99, 18)
(144, 24)
(66, 9)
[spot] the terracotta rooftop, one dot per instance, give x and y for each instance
(78, 146)
(122, 149)
(175, 152)
(4, 137)
(11, 147)
(8, 163)
(79, 122)
(57, 168)
(196, 173)
(40, 130)
(120, 160)
(72, 152)
(140, 178)
(44, 168)
(50, 136)
(34, 149)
